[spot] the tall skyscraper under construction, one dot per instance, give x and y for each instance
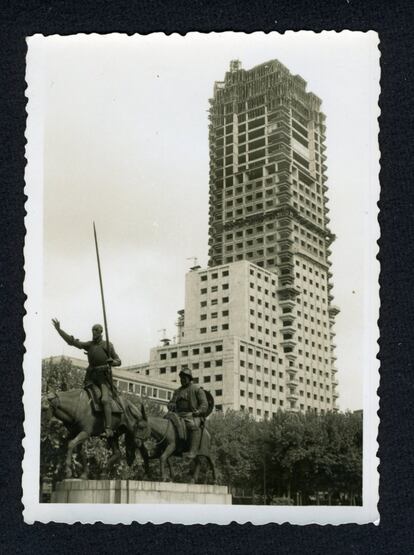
(268, 200)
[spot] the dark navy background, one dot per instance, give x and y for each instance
(394, 22)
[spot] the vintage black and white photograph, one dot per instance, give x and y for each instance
(201, 278)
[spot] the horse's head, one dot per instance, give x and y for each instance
(47, 404)
(138, 429)
(51, 400)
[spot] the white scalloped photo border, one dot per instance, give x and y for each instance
(184, 514)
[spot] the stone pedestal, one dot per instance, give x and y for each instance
(133, 492)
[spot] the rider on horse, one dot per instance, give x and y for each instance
(190, 403)
(99, 369)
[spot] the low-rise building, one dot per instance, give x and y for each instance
(233, 334)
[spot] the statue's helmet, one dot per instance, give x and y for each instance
(186, 372)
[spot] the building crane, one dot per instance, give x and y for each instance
(164, 339)
(195, 265)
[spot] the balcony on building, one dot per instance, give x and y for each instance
(287, 304)
(292, 370)
(288, 343)
(286, 223)
(333, 310)
(287, 326)
(286, 278)
(292, 382)
(287, 292)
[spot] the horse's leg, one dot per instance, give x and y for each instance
(169, 450)
(194, 477)
(170, 469)
(84, 460)
(80, 438)
(116, 453)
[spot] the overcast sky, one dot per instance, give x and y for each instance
(126, 145)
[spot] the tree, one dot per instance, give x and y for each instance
(233, 436)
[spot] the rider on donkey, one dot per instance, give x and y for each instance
(99, 369)
(190, 403)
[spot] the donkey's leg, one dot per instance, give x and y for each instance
(80, 438)
(116, 453)
(145, 457)
(164, 458)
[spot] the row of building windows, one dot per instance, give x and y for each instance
(248, 232)
(191, 352)
(259, 354)
(269, 263)
(214, 275)
(308, 213)
(214, 302)
(312, 356)
(213, 315)
(260, 316)
(306, 202)
(304, 189)
(145, 390)
(304, 279)
(311, 270)
(305, 304)
(252, 254)
(258, 369)
(259, 328)
(213, 329)
(268, 239)
(258, 397)
(308, 246)
(312, 331)
(208, 379)
(305, 233)
(306, 342)
(214, 288)
(195, 366)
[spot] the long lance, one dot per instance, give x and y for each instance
(103, 303)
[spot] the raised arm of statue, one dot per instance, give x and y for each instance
(70, 340)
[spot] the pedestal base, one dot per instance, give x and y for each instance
(132, 492)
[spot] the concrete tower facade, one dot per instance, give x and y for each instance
(268, 205)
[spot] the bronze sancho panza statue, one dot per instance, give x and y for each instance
(190, 403)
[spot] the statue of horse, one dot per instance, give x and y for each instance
(74, 409)
(168, 444)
